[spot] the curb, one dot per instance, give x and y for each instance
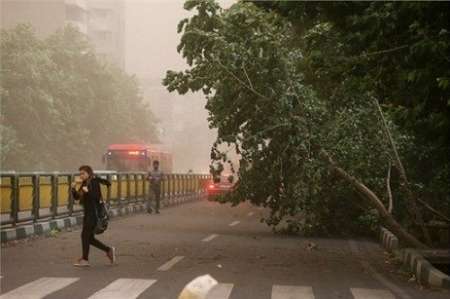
(388, 240)
(426, 274)
(42, 228)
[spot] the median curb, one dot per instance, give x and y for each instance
(425, 273)
(45, 227)
(388, 240)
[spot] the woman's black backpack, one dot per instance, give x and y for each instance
(102, 218)
(101, 211)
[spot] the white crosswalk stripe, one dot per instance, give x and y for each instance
(39, 288)
(292, 292)
(127, 288)
(220, 291)
(123, 288)
(359, 293)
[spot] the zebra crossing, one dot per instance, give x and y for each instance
(127, 288)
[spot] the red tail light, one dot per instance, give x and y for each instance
(211, 186)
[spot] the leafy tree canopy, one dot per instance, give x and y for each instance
(62, 105)
(295, 88)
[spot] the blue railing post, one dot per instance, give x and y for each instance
(108, 190)
(119, 189)
(36, 196)
(70, 180)
(54, 199)
(15, 199)
(128, 188)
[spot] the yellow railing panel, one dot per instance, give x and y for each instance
(140, 186)
(114, 188)
(63, 191)
(5, 195)
(25, 194)
(123, 186)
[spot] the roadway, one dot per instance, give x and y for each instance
(159, 254)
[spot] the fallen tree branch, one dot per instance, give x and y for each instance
(405, 183)
(433, 210)
(373, 200)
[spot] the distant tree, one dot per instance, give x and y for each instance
(62, 105)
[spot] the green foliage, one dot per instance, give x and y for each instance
(290, 79)
(61, 105)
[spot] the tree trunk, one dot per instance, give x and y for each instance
(388, 220)
(405, 183)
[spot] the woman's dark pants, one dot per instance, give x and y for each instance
(88, 238)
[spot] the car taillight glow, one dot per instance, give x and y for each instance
(211, 186)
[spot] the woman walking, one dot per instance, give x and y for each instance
(90, 196)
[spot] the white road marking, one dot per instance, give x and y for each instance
(234, 223)
(170, 263)
(39, 288)
(220, 291)
(210, 238)
(371, 294)
(123, 288)
(250, 214)
(292, 292)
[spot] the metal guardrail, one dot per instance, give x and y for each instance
(26, 197)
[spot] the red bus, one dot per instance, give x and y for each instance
(136, 157)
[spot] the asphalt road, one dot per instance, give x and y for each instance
(159, 254)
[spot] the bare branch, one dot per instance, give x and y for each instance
(240, 81)
(433, 210)
(385, 51)
(405, 183)
(388, 188)
(248, 78)
(373, 199)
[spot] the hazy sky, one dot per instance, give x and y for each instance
(151, 35)
(151, 39)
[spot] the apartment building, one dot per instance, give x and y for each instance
(103, 21)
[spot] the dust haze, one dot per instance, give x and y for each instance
(146, 51)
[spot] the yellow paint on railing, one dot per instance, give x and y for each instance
(114, 186)
(173, 183)
(25, 194)
(45, 194)
(140, 186)
(63, 191)
(5, 195)
(123, 186)
(132, 186)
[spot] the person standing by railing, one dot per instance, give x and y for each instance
(155, 177)
(90, 196)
